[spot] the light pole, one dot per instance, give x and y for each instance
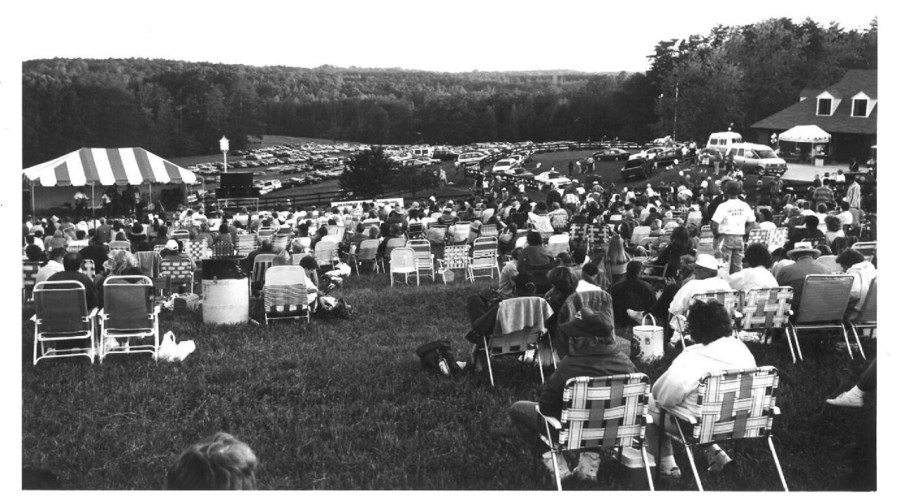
(223, 145)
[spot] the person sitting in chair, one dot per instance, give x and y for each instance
(710, 326)
(592, 352)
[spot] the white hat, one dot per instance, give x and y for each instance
(172, 245)
(707, 261)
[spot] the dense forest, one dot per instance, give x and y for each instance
(732, 75)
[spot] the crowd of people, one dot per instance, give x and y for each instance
(666, 226)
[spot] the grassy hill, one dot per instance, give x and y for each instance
(345, 405)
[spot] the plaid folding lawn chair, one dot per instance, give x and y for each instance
(284, 294)
(484, 257)
(765, 309)
(601, 413)
(734, 405)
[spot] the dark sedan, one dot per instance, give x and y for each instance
(636, 168)
(520, 172)
(611, 154)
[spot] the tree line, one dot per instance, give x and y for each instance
(733, 75)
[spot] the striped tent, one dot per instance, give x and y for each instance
(108, 166)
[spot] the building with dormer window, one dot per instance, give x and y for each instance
(848, 110)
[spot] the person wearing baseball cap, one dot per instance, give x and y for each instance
(731, 221)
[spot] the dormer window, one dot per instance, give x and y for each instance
(861, 105)
(824, 107)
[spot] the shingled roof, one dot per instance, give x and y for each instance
(804, 112)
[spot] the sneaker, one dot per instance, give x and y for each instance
(847, 399)
(636, 315)
(716, 459)
(564, 472)
(588, 463)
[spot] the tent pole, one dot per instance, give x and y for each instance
(33, 214)
(93, 216)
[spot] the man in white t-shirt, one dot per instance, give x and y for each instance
(731, 222)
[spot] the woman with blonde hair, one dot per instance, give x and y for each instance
(218, 463)
(615, 259)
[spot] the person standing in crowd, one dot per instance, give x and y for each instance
(731, 222)
(854, 194)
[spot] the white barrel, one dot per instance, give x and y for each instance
(226, 301)
(651, 341)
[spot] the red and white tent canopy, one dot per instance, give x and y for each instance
(108, 166)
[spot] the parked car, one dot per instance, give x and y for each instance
(611, 154)
(469, 158)
(520, 172)
(503, 165)
(757, 159)
(552, 177)
(636, 168)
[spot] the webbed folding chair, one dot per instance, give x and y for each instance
(119, 246)
(765, 309)
(728, 299)
(196, 250)
(489, 231)
(822, 305)
(734, 405)
(867, 249)
(598, 236)
(519, 329)
(298, 257)
(128, 314)
(245, 244)
(279, 242)
(61, 314)
(181, 234)
(179, 271)
(264, 233)
(558, 243)
(424, 256)
(578, 233)
(867, 318)
(416, 230)
(455, 257)
(706, 245)
(367, 252)
(159, 247)
(403, 261)
(606, 413)
(326, 254)
(284, 294)
(394, 243)
(758, 236)
(484, 257)
(29, 278)
(74, 248)
(222, 250)
(261, 263)
(778, 238)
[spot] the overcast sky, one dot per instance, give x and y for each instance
(462, 35)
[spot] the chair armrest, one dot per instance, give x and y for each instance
(156, 309)
(101, 313)
(550, 420)
(92, 313)
(33, 318)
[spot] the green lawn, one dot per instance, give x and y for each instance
(345, 404)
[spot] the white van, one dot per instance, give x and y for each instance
(723, 141)
(423, 151)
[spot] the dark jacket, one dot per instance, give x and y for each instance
(590, 356)
(89, 291)
(634, 294)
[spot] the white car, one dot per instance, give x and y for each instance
(552, 177)
(469, 158)
(503, 165)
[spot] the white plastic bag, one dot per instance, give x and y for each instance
(175, 352)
